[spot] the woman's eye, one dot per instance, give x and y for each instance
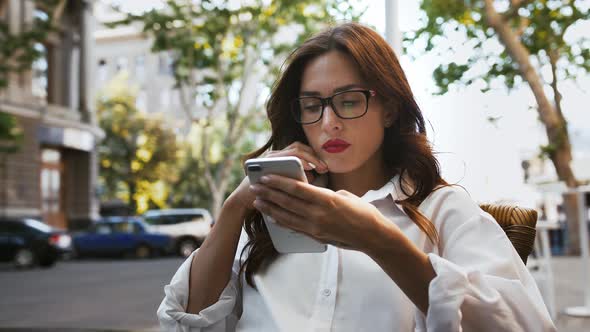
(312, 108)
(350, 103)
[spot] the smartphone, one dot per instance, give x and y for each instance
(284, 239)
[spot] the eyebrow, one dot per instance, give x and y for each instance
(338, 89)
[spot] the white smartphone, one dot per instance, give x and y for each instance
(284, 239)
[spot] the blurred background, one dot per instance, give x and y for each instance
(123, 124)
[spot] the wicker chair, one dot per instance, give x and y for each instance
(518, 223)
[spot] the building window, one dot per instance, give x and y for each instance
(140, 67)
(103, 70)
(165, 98)
(122, 63)
(165, 64)
(39, 74)
(141, 100)
(175, 98)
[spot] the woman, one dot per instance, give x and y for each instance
(406, 251)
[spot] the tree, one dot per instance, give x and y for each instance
(531, 36)
(138, 151)
(191, 188)
(11, 137)
(224, 57)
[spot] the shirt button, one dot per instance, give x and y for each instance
(326, 292)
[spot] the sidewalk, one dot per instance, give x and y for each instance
(569, 288)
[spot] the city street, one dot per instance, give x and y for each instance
(92, 294)
(124, 295)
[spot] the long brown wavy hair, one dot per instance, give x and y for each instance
(406, 149)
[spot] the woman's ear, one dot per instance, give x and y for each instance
(390, 116)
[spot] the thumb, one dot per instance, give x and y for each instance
(345, 193)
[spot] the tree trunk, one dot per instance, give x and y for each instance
(559, 147)
(217, 197)
(132, 204)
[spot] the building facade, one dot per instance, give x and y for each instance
(53, 175)
(126, 49)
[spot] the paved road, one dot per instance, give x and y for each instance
(124, 295)
(93, 294)
(569, 288)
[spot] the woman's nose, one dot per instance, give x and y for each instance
(330, 121)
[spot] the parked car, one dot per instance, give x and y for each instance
(188, 227)
(29, 242)
(121, 236)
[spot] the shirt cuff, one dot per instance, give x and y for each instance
(209, 316)
(446, 293)
(172, 312)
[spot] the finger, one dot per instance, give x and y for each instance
(299, 189)
(284, 200)
(305, 153)
(308, 160)
(345, 193)
(318, 164)
(303, 157)
(281, 216)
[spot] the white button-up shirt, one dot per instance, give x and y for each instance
(481, 283)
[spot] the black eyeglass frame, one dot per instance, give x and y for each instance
(328, 101)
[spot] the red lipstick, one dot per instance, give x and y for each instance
(335, 146)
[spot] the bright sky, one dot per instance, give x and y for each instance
(483, 157)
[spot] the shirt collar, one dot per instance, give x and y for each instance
(391, 188)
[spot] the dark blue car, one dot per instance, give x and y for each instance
(28, 242)
(121, 236)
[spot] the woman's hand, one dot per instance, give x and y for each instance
(338, 218)
(309, 159)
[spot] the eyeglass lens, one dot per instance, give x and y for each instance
(351, 104)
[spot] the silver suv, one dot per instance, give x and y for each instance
(188, 227)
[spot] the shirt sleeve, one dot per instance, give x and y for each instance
(221, 316)
(481, 283)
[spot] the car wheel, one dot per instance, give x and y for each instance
(47, 262)
(24, 258)
(186, 247)
(142, 251)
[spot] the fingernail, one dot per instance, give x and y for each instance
(264, 179)
(324, 164)
(312, 165)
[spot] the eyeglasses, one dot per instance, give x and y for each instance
(350, 104)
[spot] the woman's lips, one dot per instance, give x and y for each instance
(335, 146)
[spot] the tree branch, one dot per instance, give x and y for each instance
(186, 104)
(553, 57)
(521, 56)
(559, 147)
(512, 11)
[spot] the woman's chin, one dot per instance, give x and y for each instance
(339, 168)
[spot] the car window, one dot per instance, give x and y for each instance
(194, 217)
(180, 218)
(122, 227)
(137, 228)
(103, 229)
(155, 220)
(172, 219)
(8, 227)
(38, 225)
(12, 228)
